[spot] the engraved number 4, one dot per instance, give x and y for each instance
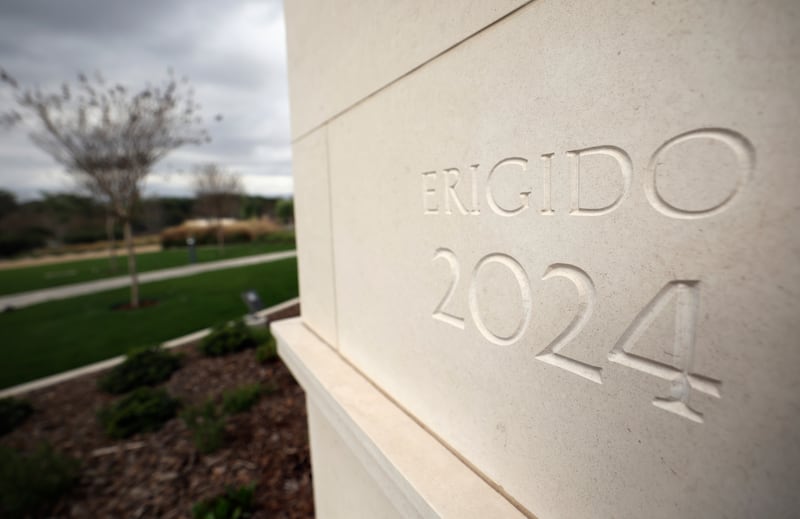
(686, 294)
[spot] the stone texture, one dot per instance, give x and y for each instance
(371, 459)
(343, 488)
(340, 52)
(313, 225)
(700, 274)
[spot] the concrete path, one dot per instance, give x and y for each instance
(50, 294)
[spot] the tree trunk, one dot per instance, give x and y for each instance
(112, 245)
(131, 264)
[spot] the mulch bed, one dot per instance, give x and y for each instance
(161, 474)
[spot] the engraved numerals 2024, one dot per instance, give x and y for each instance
(685, 293)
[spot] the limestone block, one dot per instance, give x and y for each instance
(313, 229)
(340, 52)
(342, 486)
(569, 247)
(369, 457)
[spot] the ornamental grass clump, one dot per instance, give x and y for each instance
(235, 503)
(207, 426)
(30, 483)
(241, 399)
(144, 367)
(144, 410)
(268, 351)
(206, 421)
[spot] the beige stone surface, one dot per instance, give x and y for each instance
(602, 314)
(340, 52)
(313, 228)
(342, 486)
(369, 458)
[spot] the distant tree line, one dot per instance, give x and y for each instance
(57, 219)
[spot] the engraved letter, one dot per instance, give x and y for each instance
(427, 192)
(450, 191)
(517, 161)
(625, 169)
(739, 145)
(547, 184)
(476, 209)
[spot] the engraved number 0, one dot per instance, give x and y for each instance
(525, 293)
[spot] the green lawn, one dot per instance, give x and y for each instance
(53, 337)
(57, 274)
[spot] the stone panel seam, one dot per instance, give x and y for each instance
(399, 78)
(397, 491)
(486, 479)
(333, 249)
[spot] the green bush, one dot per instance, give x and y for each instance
(207, 426)
(283, 237)
(144, 410)
(235, 503)
(145, 367)
(268, 351)
(13, 412)
(13, 243)
(241, 398)
(228, 338)
(31, 483)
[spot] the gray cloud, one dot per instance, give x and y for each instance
(233, 53)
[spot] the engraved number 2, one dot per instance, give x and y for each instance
(439, 313)
(586, 292)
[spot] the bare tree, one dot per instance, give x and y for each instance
(219, 195)
(109, 137)
(93, 190)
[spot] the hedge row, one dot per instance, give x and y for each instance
(239, 232)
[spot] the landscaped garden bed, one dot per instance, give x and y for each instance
(239, 431)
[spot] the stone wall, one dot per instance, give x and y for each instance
(556, 243)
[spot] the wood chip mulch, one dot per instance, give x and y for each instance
(161, 474)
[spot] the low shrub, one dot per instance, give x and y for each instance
(14, 244)
(268, 351)
(207, 426)
(241, 398)
(278, 237)
(145, 367)
(235, 503)
(228, 338)
(89, 235)
(13, 412)
(31, 483)
(144, 410)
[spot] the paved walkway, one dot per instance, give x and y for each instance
(40, 296)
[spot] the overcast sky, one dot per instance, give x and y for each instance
(232, 51)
